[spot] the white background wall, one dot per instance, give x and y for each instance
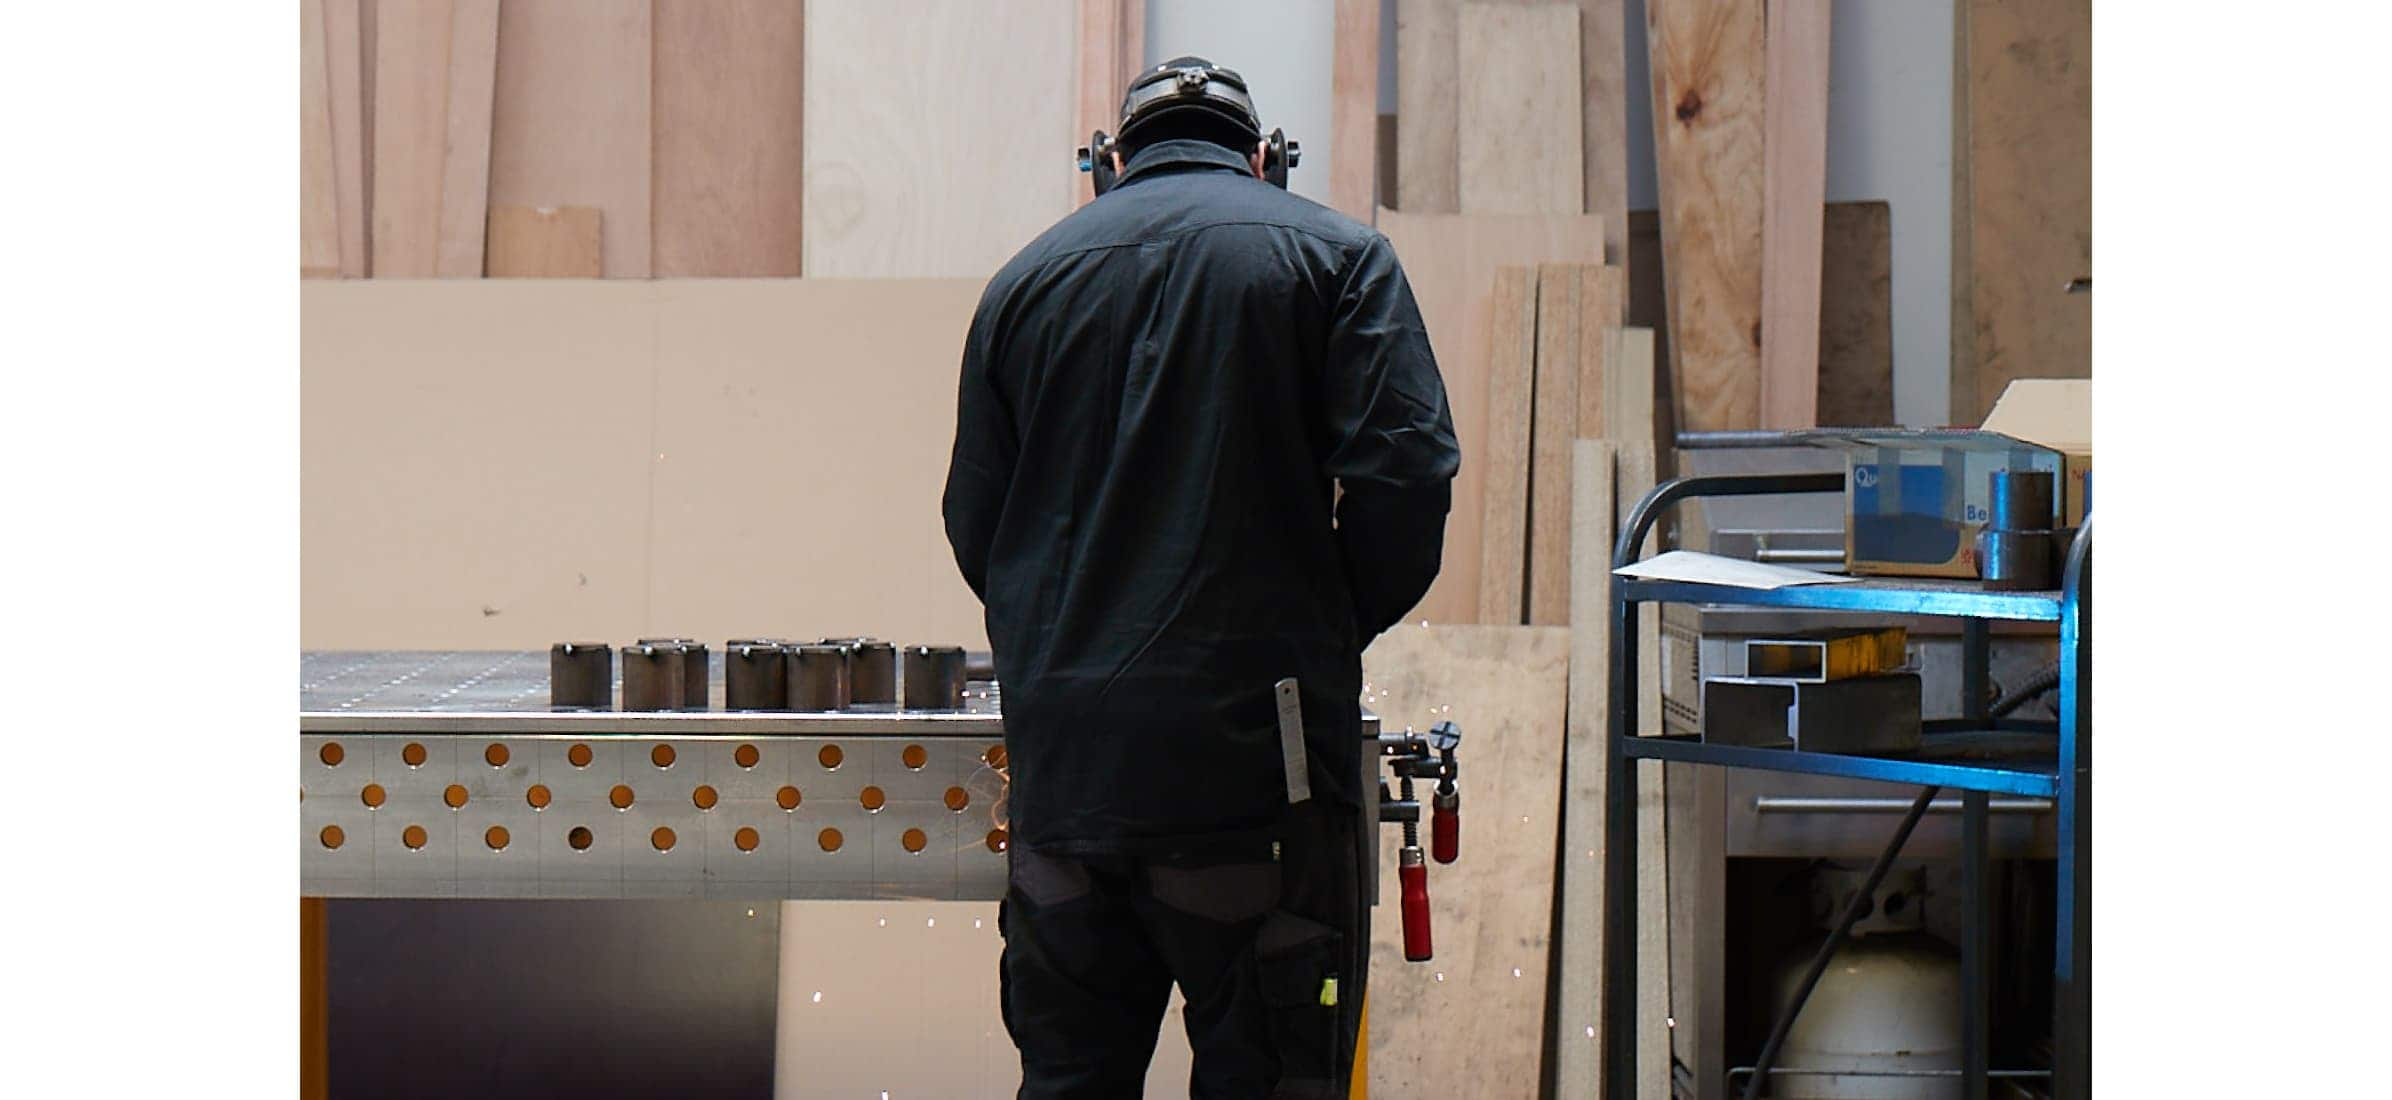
(1889, 133)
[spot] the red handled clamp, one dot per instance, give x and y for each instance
(1411, 755)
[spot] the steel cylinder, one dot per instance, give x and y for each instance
(2016, 561)
(755, 675)
(934, 676)
(696, 669)
(2019, 500)
(871, 670)
(817, 677)
(581, 675)
(653, 676)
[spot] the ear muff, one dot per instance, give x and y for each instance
(1279, 155)
(1182, 84)
(1096, 159)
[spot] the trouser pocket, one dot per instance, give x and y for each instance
(1296, 972)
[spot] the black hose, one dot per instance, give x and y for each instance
(2042, 681)
(1853, 912)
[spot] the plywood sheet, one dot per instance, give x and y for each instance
(345, 64)
(1707, 106)
(1856, 317)
(1511, 399)
(550, 242)
(2022, 198)
(319, 204)
(729, 113)
(506, 463)
(1450, 260)
(572, 122)
(465, 168)
(1112, 49)
(1518, 127)
(1427, 108)
(979, 175)
(804, 500)
(1792, 216)
(1602, 309)
(410, 105)
(1478, 1031)
(1577, 1021)
(1603, 70)
(1558, 362)
(1354, 109)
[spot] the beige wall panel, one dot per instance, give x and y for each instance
(482, 461)
(470, 463)
(802, 435)
(907, 178)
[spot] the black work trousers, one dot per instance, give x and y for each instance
(1267, 939)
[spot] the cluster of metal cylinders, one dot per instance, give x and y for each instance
(759, 674)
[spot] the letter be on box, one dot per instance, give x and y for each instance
(1915, 500)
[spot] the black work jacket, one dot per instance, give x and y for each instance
(1162, 398)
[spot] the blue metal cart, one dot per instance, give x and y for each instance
(1978, 755)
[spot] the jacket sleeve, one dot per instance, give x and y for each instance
(1392, 448)
(982, 464)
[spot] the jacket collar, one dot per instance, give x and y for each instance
(1164, 157)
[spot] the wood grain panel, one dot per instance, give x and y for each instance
(1856, 311)
(572, 125)
(1354, 109)
(1511, 397)
(2022, 198)
(410, 105)
(1112, 50)
(1558, 362)
(1427, 107)
(1578, 1023)
(1603, 69)
(1707, 106)
(547, 242)
(1478, 1031)
(729, 161)
(345, 65)
(1792, 217)
(465, 168)
(319, 202)
(980, 175)
(1450, 260)
(1602, 309)
(1518, 123)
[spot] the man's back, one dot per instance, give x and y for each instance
(1160, 399)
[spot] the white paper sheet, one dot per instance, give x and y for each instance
(1700, 568)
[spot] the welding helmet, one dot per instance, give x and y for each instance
(1174, 88)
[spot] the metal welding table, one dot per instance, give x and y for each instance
(1977, 755)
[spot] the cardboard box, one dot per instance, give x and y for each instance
(1915, 500)
(2056, 413)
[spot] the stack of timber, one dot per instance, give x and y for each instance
(708, 138)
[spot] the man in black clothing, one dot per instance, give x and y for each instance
(1201, 447)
